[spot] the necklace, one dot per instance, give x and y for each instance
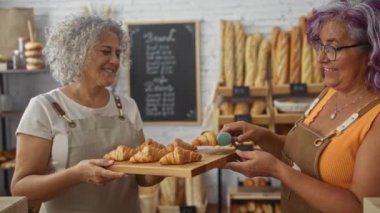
(338, 109)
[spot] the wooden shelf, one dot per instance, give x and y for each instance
(234, 194)
(10, 114)
(254, 91)
(256, 119)
(285, 89)
(21, 71)
(286, 118)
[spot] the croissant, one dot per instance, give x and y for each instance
(180, 143)
(121, 153)
(152, 143)
(147, 154)
(180, 156)
(206, 139)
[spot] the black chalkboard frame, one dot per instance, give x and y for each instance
(197, 119)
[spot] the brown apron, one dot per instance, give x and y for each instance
(90, 138)
(302, 151)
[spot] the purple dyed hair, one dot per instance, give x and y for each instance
(363, 21)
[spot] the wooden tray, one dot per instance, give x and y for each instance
(208, 162)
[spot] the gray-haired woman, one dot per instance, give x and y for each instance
(64, 133)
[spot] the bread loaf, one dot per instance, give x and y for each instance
(282, 71)
(263, 61)
(258, 107)
(249, 62)
(252, 59)
(274, 39)
(307, 62)
(229, 54)
(226, 108)
(239, 53)
(241, 108)
(295, 55)
(317, 74)
(222, 78)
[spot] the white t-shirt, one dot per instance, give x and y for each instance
(41, 120)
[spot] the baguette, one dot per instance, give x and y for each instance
(274, 60)
(282, 71)
(229, 55)
(239, 53)
(295, 55)
(263, 61)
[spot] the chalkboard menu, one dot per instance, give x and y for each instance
(164, 72)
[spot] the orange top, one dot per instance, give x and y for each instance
(336, 165)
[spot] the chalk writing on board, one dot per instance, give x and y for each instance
(164, 71)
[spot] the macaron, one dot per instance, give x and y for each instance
(224, 138)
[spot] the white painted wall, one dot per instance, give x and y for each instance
(256, 16)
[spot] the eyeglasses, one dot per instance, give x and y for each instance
(331, 51)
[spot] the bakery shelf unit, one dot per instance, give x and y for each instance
(272, 115)
(7, 148)
(254, 199)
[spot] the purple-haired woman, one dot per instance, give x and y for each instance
(328, 162)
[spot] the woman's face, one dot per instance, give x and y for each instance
(103, 61)
(349, 70)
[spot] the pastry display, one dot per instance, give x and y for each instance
(33, 54)
(152, 151)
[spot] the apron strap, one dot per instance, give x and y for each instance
(58, 109)
(316, 101)
(119, 107)
(356, 115)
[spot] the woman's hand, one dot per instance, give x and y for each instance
(255, 163)
(244, 131)
(266, 139)
(93, 171)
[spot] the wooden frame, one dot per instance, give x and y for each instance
(196, 64)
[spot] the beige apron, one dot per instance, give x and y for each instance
(302, 151)
(90, 138)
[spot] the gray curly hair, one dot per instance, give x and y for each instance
(69, 42)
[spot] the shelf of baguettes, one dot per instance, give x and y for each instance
(235, 194)
(286, 117)
(259, 119)
(285, 89)
(253, 91)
